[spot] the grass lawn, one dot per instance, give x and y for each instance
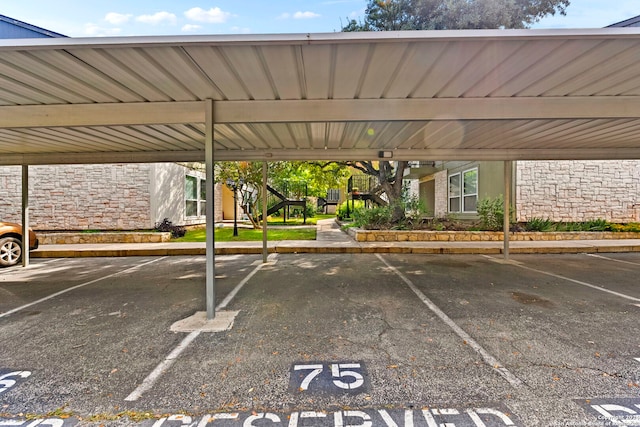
(276, 220)
(246, 234)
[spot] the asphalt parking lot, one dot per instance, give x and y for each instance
(324, 340)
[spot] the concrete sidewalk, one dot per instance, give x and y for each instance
(330, 239)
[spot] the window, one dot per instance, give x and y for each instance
(454, 193)
(463, 191)
(195, 196)
(202, 203)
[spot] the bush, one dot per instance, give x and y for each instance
(491, 212)
(167, 226)
(539, 224)
(342, 209)
(597, 225)
(630, 227)
(310, 210)
(374, 218)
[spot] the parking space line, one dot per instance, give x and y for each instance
(159, 370)
(613, 259)
(64, 291)
(579, 282)
(486, 356)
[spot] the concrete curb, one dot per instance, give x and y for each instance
(291, 247)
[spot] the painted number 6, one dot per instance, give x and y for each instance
(337, 371)
(6, 384)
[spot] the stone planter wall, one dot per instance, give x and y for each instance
(115, 237)
(360, 235)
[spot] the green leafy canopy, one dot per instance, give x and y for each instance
(394, 15)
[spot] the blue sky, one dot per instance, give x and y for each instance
(90, 18)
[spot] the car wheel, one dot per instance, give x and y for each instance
(10, 251)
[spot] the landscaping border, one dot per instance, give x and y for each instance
(360, 235)
(66, 238)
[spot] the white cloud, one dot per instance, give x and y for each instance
(241, 30)
(305, 15)
(117, 18)
(299, 15)
(215, 15)
(158, 18)
(94, 30)
(190, 27)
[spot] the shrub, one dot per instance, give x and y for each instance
(597, 225)
(539, 224)
(310, 210)
(167, 226)
(342, 209)
(374, 218)
(630, 227)
(491, 212)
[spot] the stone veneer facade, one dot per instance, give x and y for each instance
(441, 193)
(100, 197)
(578, 190)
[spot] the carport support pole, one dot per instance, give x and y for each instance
(25, 215)
(265, 253)
(508, 174)
(210, 274)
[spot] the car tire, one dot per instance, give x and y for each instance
(10, 251)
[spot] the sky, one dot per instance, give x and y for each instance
(94, 18)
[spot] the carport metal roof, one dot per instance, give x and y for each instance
(490, 94)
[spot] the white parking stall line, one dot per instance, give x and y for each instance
(159, 370)
(486, 356)
(579, 282)
(613, 259)
(64, 291)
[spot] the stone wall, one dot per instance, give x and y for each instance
(79, 197)
(578, 190)
(360, 235)
(442, 194)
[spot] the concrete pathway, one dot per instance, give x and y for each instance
(330, 239)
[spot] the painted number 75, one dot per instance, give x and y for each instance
(6, 382)
(346, 376)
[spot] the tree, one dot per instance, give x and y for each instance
(389, 176)
(319, 177)
(391, 15)
(249, 174)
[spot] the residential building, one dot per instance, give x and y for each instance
(558, 190)
(104, 196)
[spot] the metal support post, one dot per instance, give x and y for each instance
(508, 177)
(210, 230)
(25, 216)
(265, 252)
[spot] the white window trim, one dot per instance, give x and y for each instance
(199, 183)
(449, 196)
(462, 194)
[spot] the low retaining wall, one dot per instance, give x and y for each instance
(111, 237)
(360, 235)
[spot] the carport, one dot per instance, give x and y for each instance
(446, 95)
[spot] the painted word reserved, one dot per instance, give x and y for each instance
(478, 417)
